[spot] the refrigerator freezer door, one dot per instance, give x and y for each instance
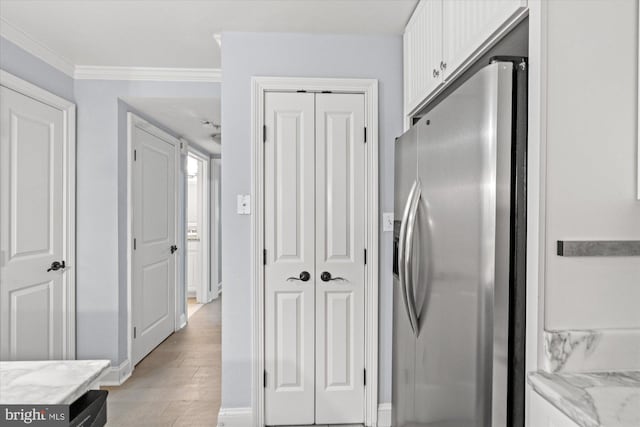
(406, 163)
(462, 144)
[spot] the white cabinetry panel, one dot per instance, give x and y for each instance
(441, 37)
(468, 24)
(423, 52)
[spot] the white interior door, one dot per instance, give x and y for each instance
(340, 244)
(314, 224)
(33, 291)
(290, 253)
(154, 188)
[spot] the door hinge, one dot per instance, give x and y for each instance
(264, 133)
(301, 91)
(134, 244)
(364, 377)
(135, 155)
(365, 134)
(181, 145)
(365, 257)
(264, 380)
(134, 332)
(264, 257)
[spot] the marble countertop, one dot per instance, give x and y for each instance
(48, 382)
(597, 399)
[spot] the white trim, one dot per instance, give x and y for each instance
(93, 72)
(234, 417)
(35, 48)
(638, 109)
(368, 87)
(205, 235)
(135, 121)
(69, 232)
(116, 375)
(384, 415)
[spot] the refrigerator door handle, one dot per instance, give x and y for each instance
(410, 301)
(402, 254)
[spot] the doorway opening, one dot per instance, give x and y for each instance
(172, 143)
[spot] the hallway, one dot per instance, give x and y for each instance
(178, 383)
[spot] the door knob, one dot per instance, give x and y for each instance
(304, 276)
(55, 266)
(326, 277)
(173, 248)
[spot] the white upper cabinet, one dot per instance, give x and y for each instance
(423, 52)
(443, 35)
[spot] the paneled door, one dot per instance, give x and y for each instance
(154, 189)
(33, 272)
(314, 258)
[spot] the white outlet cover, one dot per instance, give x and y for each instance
(244, 204)
(387, 221)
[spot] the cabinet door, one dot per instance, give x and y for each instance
(468, 24)
(422, 53)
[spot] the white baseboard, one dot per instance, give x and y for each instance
(116, 375)
(242, 417)
(183, 321)
(235, 417)
(384, 415)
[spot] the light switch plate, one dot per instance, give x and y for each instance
(244, 204)
(387, 221)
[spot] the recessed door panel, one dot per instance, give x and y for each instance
(339, 337)
(289, 242)
(31, 317)
(155, 204)
(290, 345)
(154, 188)
(31, 148)
(154, 277)
(33, 305)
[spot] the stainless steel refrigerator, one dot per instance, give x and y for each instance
(459, 256)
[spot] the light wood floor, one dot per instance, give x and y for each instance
(178, 383)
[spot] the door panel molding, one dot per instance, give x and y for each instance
(369, 88)
(68, 110)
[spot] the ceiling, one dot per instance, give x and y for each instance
(179, 33)
(184, 117)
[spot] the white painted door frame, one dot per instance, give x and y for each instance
(69, 161)
(369, 88)
(204, 184)
(132, 121)
(216, 165)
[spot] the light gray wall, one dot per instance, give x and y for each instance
(296, 55)
(16, 61)
(102, 208)
(591, 162)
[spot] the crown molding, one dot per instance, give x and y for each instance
(91, 72)
(35, 48)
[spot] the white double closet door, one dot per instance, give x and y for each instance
(315, 258)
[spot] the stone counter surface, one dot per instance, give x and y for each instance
(597, 399)
(48, 382)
